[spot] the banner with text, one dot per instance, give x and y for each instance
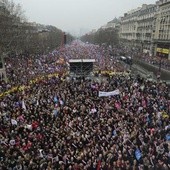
(111, 93)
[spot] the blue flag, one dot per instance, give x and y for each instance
(114, 133)
(138, 154)
(168, 137)
(55, 112)
(55, 99)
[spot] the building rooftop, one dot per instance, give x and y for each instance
(115, 20)
(162, 2)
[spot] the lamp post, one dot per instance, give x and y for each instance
(3, 70)
(160, 64)
(142, 47)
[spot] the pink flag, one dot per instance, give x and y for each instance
(117, 105)
(144, 103)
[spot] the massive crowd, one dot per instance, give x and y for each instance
(61, 123)
(21, 68)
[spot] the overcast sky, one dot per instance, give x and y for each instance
(77, 16)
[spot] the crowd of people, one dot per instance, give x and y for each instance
(60, 123)
(23, 68)
(157, 61)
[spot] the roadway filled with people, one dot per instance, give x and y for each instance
(21, 68)
(56, 122)
(157, 61)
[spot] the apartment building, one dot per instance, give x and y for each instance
(137, 27)
(161, 36)
(128, 28)
(145, 27)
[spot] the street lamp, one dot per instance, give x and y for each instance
(141, 46)
(160, 63)
(2, 69)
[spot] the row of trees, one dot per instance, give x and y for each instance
(108, 36)
(19, 36)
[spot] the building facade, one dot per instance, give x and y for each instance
(161, 37)
(145, 27)
(128, 28)
(137, 27)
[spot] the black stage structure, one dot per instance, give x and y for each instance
(81, 67)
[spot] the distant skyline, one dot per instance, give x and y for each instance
(77, 16)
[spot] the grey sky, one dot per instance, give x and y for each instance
(77, 15)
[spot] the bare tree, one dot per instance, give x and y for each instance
(11, 19)
(14, 9)
(107, 36)
(17, 35)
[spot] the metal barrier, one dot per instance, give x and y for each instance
(136, 69)
(164, 75)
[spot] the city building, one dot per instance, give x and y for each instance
(137, 27)
(161, 37)
(145, 27)
(128, 28)
(115, 23)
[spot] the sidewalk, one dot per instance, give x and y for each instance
(165, 74)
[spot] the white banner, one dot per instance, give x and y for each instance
(111, 93)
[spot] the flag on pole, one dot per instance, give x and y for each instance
(37, 102)
(23, 105)
(13, 122)
(138, 154)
